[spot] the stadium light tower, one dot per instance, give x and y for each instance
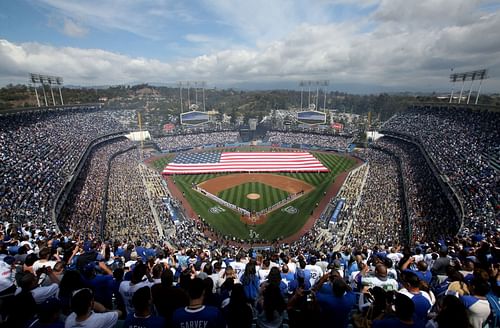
(468, 76)
(301, 84)
(199, 85)
(318, 83)
(327, 83)
(59, 82)
(179, 84)
(35, 79)
(180, 92)
(482, 76)
(473, 77)
(309, 85)
(42, 82)
(453, 79)
(203, 85)
(195, 92)
(50, 81)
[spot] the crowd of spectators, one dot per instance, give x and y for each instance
(324, 141)
(75, 278)
(350, 195)
(196, 140)
(379, 215)
(460, 142)
(39, 151)
(351, 190)
(83, 210)
(430, 214)
(128, 212)
(50, 279)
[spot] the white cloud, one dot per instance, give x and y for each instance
(70, 28)
(396, 51)
(140, 17)
(77, 66)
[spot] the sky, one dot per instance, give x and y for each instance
(357, 45)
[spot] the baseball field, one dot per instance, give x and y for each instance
(290, 198)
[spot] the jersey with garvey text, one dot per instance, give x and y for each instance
(203, 317)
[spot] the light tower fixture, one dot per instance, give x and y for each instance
(39, 80)
(481, 74)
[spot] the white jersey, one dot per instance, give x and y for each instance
(388, 284)
(263, 273)
(316, 273)
(96, 320)
(477, 309)
(127, 290)
(395, 258)
(215, 278)
(292, 267)
(428, 259)
(323, 265)
(40, 264)
(418, 258)
(239, 268)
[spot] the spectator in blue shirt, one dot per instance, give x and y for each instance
(142, 316)
(335, 307)
(197, 314)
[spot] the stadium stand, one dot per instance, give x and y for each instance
(39, 151)
(129, 214)
(375, 279)
(335, 142)
(457, 140)
(429, 212)
(380, 215)
(83, 211)
(184, 141)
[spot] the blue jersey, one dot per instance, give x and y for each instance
(335, 310)
(150, 322)
(205, 317)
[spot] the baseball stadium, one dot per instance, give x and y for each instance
(259, 205)
(249, 164)
(244, 195)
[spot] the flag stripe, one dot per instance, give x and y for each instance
(245, 162)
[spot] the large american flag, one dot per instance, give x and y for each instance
(213, 162)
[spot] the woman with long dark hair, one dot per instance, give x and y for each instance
(238, 312)
(274, 278)
(451, 314)
(271, 307)
(250, 282)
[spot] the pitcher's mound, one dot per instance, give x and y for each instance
(253, 196)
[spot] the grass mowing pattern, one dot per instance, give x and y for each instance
(268, 195)
(161, 162)
(279, 224)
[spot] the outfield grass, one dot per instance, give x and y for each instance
(268, 196)
(160, 163)
(278, 224)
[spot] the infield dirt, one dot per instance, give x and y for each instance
(285, 183)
